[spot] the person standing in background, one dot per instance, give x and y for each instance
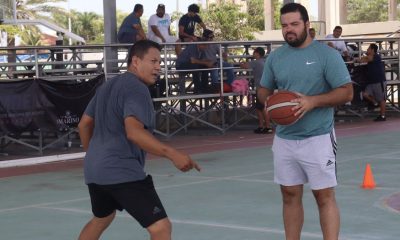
(312, 32)
(257, 66)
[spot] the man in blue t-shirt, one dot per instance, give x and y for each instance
(116, 132)
(375, 91)
(187, 24)
(131, 29)
(305, 152)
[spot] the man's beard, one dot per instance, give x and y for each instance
(298, 41)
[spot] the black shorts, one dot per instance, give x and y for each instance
(138, 198)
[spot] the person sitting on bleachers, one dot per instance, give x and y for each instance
(211, 53)
(187, 24)
(338, 45)
(159, 27)
(191, 59)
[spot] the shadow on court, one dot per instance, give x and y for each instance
(233, 198)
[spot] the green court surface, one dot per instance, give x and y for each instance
(233, 198)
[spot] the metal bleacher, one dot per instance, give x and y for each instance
(178, 108)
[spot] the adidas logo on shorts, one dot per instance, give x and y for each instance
(329, 163)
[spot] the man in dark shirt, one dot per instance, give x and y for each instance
(375, 91)
(187, 24)
(131, 29)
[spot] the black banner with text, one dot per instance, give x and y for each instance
(39, 104)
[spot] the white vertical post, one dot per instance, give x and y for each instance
(69, 22)
(343, 11)
(269, 15)
(15, 10)
(392, 8)
(177, 20)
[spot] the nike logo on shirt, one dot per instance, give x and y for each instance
(308, 63)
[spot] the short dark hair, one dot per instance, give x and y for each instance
(260, 51)
(138, 7)
(193, 8)
(374, 47)
(207, 33)
(338, 27)
(140, 48)
(295, 7)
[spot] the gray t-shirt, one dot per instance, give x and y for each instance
(111, 158)
(191, 51)
(211, 52)
(258, 67)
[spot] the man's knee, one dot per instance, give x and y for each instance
(324, 196)
(292, 194)
(161, 229)
(103, 222)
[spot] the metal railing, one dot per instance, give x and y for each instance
(177, 110)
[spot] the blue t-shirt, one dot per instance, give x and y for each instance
(126, 26)
(111, 158)
(313, 70)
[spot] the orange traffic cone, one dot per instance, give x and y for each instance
(368, 182)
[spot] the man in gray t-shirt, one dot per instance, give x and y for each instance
(116, 132)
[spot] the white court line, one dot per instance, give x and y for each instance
(209, 177)
(42, 205)
(383, 155)
(200, 223)
(38, 160)
(213, 179)
(165, 187)
(209, 224)
(212, 143)
(359, 186)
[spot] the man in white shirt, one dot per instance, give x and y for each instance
(159, 28)
(338, 45)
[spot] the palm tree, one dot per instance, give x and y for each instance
(31, 37)
(31, 9)
(37, 9)
(84, 24)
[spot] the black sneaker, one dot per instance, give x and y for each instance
(258, 130)
(380, 119)
(267, 130)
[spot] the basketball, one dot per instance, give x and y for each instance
(279, 107)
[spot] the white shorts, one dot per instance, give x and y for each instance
(311, 160)
(168, 39)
